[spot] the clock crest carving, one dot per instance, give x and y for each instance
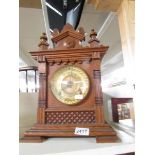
(70, 93)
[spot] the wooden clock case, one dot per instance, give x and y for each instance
(55, 119)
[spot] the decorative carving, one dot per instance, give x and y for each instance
(94, 42)
(69, 43)
(42, 103)
(81, 30)
(66, 62)
(70, 117)
(67, 27)
(79, 54)
(99, 100)
(43, 45)
(52, 63)
(59, 62)
(42, 90)
(97, 74)
(68, 38)
(96, 55)
(79, 61)
(41, 58)
(55, 32)
(72, 62)
(88, 60)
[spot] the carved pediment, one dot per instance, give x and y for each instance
(68, 37)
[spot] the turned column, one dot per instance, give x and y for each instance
(96, 60)
(42, 69)
(97, 87)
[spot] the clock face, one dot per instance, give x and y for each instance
(70, 85)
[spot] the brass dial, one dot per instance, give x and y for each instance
(70, 85)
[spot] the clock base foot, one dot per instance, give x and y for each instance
(32, 139)
(106, 139)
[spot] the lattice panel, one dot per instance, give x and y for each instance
(70, 117)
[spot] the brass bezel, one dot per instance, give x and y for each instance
(59, 75)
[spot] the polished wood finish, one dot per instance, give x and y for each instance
(55, 119)
(106, 139)
(35, 139)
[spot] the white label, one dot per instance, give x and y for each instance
(82, 131)
(79, 97)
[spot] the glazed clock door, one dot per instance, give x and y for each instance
(70, 84)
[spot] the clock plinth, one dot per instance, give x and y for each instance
(38, 133)
(70, 95)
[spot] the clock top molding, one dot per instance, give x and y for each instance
(68, 47)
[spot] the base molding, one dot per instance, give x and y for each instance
(104, 133)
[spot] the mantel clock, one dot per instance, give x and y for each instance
(70, 102)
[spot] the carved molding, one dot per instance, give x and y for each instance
(97, 74)
(70, 61)
(67, 30)
(41, 58)
(99, 100)
(42, 103)
(79, 54)
(96, 55)
(42, 90)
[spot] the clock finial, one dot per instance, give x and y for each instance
(43, 45)
(94, 42)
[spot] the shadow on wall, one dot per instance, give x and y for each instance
(27, 111)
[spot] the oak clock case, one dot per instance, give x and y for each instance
(70, 94)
